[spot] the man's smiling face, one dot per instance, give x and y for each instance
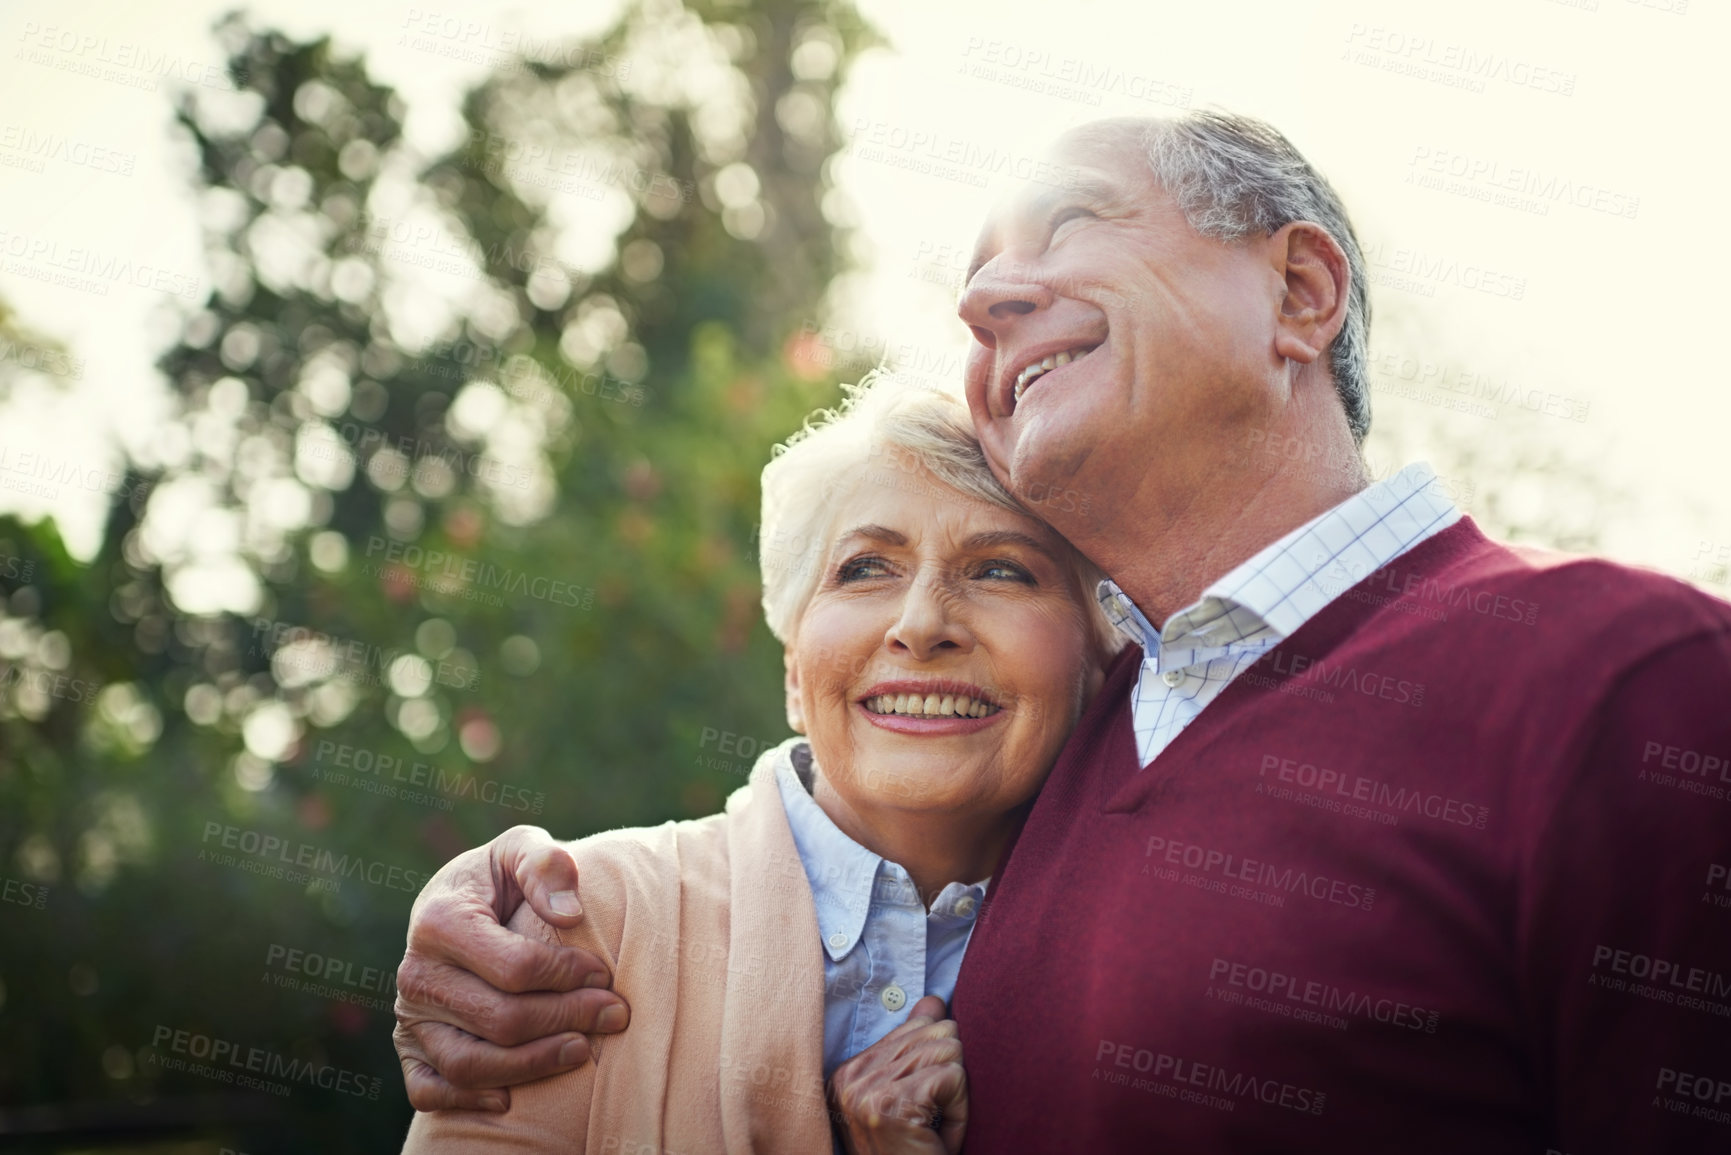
(1160, 341)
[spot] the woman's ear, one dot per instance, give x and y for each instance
(795, 709)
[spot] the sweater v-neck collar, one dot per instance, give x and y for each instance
(1316, 638)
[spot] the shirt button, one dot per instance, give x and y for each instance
(837, 941)
(893, 998)
(964, 906)
(1172, 677)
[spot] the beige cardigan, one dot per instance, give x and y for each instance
(712, 936)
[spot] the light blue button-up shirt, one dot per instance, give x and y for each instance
(883, 949)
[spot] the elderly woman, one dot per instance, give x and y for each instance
(940, 644)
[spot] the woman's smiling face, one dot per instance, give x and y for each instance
(945, 655)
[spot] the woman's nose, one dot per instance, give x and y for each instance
(928, 623)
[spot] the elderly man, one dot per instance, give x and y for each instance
(1386, 838)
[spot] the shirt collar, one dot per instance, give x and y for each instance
(1287, 583)
(845, 877)
(842, 873)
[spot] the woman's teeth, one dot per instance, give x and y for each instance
(930, 705)
(1026, 376)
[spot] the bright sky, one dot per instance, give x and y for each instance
(1537, 184)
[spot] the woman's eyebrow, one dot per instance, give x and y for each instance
(871, 532)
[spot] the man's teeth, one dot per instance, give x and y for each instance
(1027, 375)
(930, 705)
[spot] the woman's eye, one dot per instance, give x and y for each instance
(1005, 571)
(860, 568)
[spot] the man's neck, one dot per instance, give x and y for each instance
(1165, 557)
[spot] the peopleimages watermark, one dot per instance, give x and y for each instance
(344, 765)
(1718, 878)
(1522, 187)
(1039, 70)
(20, 893)
(122, 62)
(1306, 676)
(326, 976)
(45, 475)
(229, 1062)
(1164, 854)
(89, 270)
(423, 245)
(40, 359)
(1335, 789)
(47, 683)
(275, 851)
(581, 172)
(1179, 1078)
(1452, 65)
(729, 745)
(478, 42)
(1417, 592)
(522, 376)
(1701, 772)
(931, 152)
(457, 575)
(35, 149)
(361, 662)
(1413, 270)
(1466, 390)
(1698, 1096)
(1309, 1000)
(840, 350)
(1711, 563)
(1348, 464)
(349, 438)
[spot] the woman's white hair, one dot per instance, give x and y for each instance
(887, 431)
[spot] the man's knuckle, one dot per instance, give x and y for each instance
(464, 1067)
(412, 976)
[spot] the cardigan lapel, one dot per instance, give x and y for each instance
(772, 1096)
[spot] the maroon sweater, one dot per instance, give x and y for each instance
(1446, 871)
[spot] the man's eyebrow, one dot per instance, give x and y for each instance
(1079, 186)
(996, 537)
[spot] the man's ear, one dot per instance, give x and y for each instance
(1318, 284)
(795, 709)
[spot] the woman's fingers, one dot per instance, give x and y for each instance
(948, 1091)
(908, 1091)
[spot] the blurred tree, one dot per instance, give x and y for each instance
(454, 530)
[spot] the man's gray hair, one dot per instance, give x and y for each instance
(1235, 176)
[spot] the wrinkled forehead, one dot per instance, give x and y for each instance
(905, 497)
(1100, 166)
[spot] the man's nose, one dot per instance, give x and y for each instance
(999, 294)
(927, 624)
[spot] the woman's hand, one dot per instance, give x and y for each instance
(906, 1092)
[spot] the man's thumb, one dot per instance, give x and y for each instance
(547, 875)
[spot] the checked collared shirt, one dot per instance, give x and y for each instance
(1240, 617)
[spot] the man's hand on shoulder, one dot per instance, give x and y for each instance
(481, 1007)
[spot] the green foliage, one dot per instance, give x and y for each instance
(402, 362)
